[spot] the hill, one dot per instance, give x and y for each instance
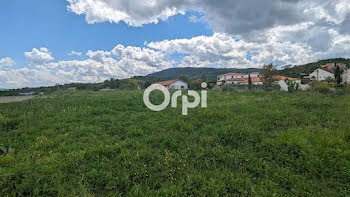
(196, 73)
(295, 71)
(90, 143)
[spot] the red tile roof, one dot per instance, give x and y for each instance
(277, 77)
(255, 79)
(245, 80)
(327, 65)
(235, 79)
(167, 83)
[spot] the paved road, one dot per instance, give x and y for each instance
(9, 99)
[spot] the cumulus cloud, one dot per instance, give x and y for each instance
(121, 62)
(132, 12)
(7, 62)
(72, 53)
(248, 33)
(263, 26)
(234, 17)
(39, 56)
(223, 50)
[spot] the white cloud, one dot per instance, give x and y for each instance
(39, 57)
(72, 53)
(132, 12)
(234, 17)
(121, 62)
(222, 50)
(6, 62)
(248, 33)
(299, 27)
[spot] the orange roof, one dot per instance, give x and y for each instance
(167, 83)
(232, 74)
(327, 65)
(254, 79)
(255, 73)
(284, 78)
(236, 79)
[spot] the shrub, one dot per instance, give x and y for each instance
(322, 88)
(292, 86)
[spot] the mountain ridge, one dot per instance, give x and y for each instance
(196, 73)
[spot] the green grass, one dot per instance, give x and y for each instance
(110, 144)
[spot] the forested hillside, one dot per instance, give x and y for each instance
(196, 73)
(310, 67)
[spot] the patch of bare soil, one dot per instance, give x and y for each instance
(9, 99)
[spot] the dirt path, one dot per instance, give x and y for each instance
(9, 99)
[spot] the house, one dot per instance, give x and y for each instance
(244, 81)
(305, 76)
(254, 74)
(346, 76)
(72, 89)
(281, 81)
(239, 78)
(176, 84)
(333, 66)
(322, 74)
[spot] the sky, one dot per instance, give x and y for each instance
(64, 41)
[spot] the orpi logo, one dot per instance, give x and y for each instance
(185, 103)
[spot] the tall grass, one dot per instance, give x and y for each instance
(110, 144)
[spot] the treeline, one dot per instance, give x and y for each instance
(122, 84)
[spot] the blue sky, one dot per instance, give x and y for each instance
(63, 41)
(43, 23)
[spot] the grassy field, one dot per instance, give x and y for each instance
(110, 144)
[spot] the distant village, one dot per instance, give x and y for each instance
(325, 73)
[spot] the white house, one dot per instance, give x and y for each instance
(176, 84)
(281, 81)
(321, 74)
(239, 78)
(346, 76)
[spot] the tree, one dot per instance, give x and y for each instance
(337, 74)
(148, 83)
(111, 83)
(184, 78)
(249, 82)
(267, 76)
(293, 86)
(133, 84)
(204, 78)
(196, 85)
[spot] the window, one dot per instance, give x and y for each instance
(182, 87)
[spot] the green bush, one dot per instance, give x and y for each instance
(321, 87)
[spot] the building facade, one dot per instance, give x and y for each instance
(239, 78)
(176, 84)
(322, 74)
